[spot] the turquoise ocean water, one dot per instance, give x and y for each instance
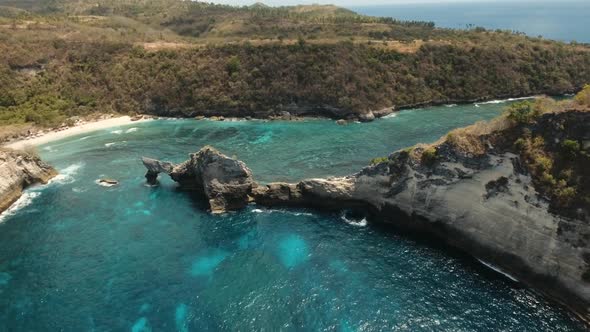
(565, 20)
(76, 256)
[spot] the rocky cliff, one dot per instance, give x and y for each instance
(19, 170)
(476, 189)
(486, 203)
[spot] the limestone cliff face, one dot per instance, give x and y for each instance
(19, 170)
(485, 203)
(491, 211)
(478, 196)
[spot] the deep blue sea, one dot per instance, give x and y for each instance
(565, 20)
(76, 256)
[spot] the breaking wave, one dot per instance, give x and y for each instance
(490, 266)
(354, 222)
(67, 174)
(500, 101)
(282, 211)
(389, 116)
(113, 143)
(26, 199)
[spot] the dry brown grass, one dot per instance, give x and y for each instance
(162, 45)
(11, 132)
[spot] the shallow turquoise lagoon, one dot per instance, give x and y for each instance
(76, 256)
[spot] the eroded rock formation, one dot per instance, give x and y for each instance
(474, 192)
(225, 182)
(19, 170)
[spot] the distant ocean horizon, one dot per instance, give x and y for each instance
(567, 20)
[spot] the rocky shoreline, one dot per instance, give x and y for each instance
(481, 199)
(20, 170)
(296, 112)
(289, 113)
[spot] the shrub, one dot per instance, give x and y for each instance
(429, 156)
(520, 143)
(522, 112)
(583, 97)
(548, 180)
(570, 148)
(564, 195)
(543, 163)
(379, 160)
(233, 65)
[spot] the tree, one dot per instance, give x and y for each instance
(233, 65)
(522, 112)
(583, 97)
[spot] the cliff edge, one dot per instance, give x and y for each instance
(514, 192)
(20, 170)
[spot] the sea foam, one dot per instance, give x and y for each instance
(389, 116)
(353, 222)
(360, 222)
(67, 174)
(500, 101)
(490, 266)
(282, 211)
(26, 199)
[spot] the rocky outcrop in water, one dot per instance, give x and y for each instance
(225, 182)
(155, 167)
(475, 192)
(18, 171)
(482, 200)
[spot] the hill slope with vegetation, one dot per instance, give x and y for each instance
(66, 58)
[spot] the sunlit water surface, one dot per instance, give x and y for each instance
(76, 256)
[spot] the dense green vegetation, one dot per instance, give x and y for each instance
(558, 162)
(61, 58)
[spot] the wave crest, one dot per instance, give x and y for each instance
(26, 199)
(351, 220)
(67, 174)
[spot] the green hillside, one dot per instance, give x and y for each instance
(60, 59)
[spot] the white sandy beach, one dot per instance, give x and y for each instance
(79, 129)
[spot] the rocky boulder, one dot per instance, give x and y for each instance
(225, 182)
(366, 117)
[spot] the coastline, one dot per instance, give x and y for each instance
(86, 126)
(82, 128)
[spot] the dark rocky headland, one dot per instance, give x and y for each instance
(513, 192)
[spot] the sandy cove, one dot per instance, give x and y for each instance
(82, 128)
